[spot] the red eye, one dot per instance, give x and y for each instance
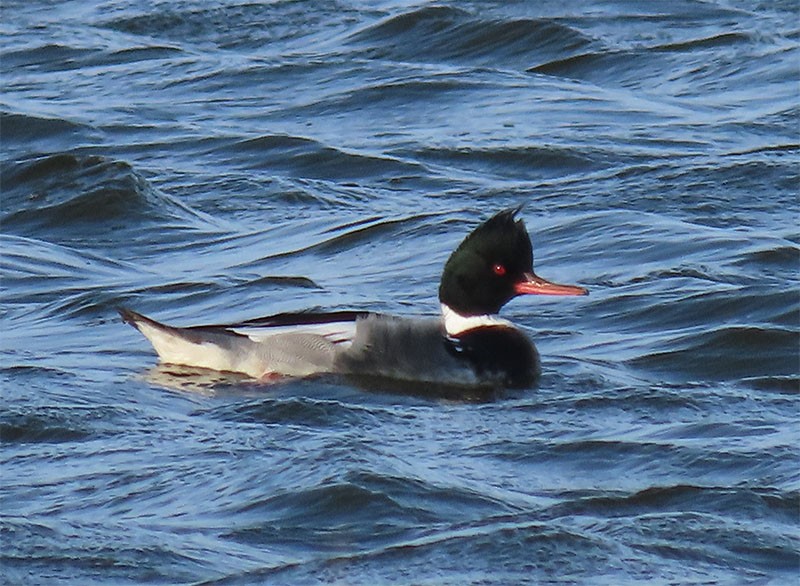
(499, 270)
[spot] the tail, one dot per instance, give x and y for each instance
(137, 320)
(210, 348)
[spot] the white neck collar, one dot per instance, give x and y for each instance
(455, 323)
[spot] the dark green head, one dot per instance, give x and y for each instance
(493, 265)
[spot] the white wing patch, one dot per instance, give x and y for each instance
(339, 333)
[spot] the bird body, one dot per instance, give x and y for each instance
(468, 345)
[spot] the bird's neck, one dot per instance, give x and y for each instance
(456, 323)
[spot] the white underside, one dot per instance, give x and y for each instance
(290, 350)
(178, 350)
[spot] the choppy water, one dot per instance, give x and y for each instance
(210, 162)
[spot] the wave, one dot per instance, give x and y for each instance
(64, 546)
(727, 353)
(56, 425)
(394, 98)
(47, 57)
(24, 132)
(625, 64)
(54, 57)
(513, 164)
(444, 33)
(63, 192)
(679, 521)
(767, 503)
(66, 187)
(380, 509)
(230, 26)
(344, 237)
(304, 157)
(44, 280)
(710, 42)
(681, 68)
(551, 551)
(49, 280)
(312, 413)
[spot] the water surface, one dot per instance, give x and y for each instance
(218, 161)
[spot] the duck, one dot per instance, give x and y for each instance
(467, 345)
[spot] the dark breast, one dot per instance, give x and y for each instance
(419, 350)
(500, 354)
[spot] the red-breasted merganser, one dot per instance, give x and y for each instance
(469, 345)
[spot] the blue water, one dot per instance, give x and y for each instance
(218, 161)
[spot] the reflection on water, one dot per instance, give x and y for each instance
(201, 380)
